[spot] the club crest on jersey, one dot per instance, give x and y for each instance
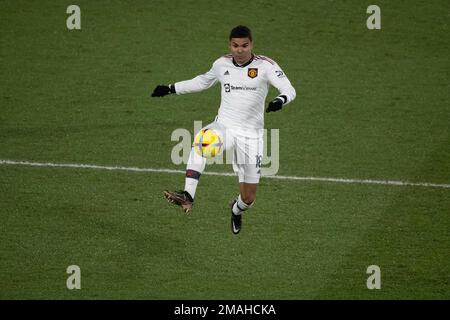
(252, 72)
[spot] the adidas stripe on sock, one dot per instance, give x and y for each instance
(240, 206)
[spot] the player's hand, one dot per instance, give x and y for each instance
(275, 105)
(161, 91)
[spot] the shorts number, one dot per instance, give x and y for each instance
(258, 161)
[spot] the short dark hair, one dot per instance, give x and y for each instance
(241, 32)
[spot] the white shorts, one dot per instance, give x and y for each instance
(246, 146)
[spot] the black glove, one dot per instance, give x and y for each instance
(163, 90)
(275, 105)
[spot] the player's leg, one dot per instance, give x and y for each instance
(247, 193)
(247, 164)
(185, 198)
(242, 203)
(195, 167)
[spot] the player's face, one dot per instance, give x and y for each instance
(241, 49)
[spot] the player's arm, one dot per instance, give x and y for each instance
(279, 80)
(199, 83)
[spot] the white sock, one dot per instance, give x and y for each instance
(196, 165)
(240, 206)
(191, 186)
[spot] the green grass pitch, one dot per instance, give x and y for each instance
(371, 104)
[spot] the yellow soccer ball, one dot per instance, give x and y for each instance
(208, 143)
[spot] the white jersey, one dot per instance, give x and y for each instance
(244, 89)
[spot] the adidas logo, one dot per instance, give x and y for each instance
(226, 73)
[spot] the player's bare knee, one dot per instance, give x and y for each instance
(248, 198)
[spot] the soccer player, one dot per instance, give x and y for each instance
(244, 79)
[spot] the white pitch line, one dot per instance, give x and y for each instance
(135, 169)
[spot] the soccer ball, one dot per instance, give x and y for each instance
(208, 143)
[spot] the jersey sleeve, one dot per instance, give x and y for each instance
(279, 80)
(199, 83)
